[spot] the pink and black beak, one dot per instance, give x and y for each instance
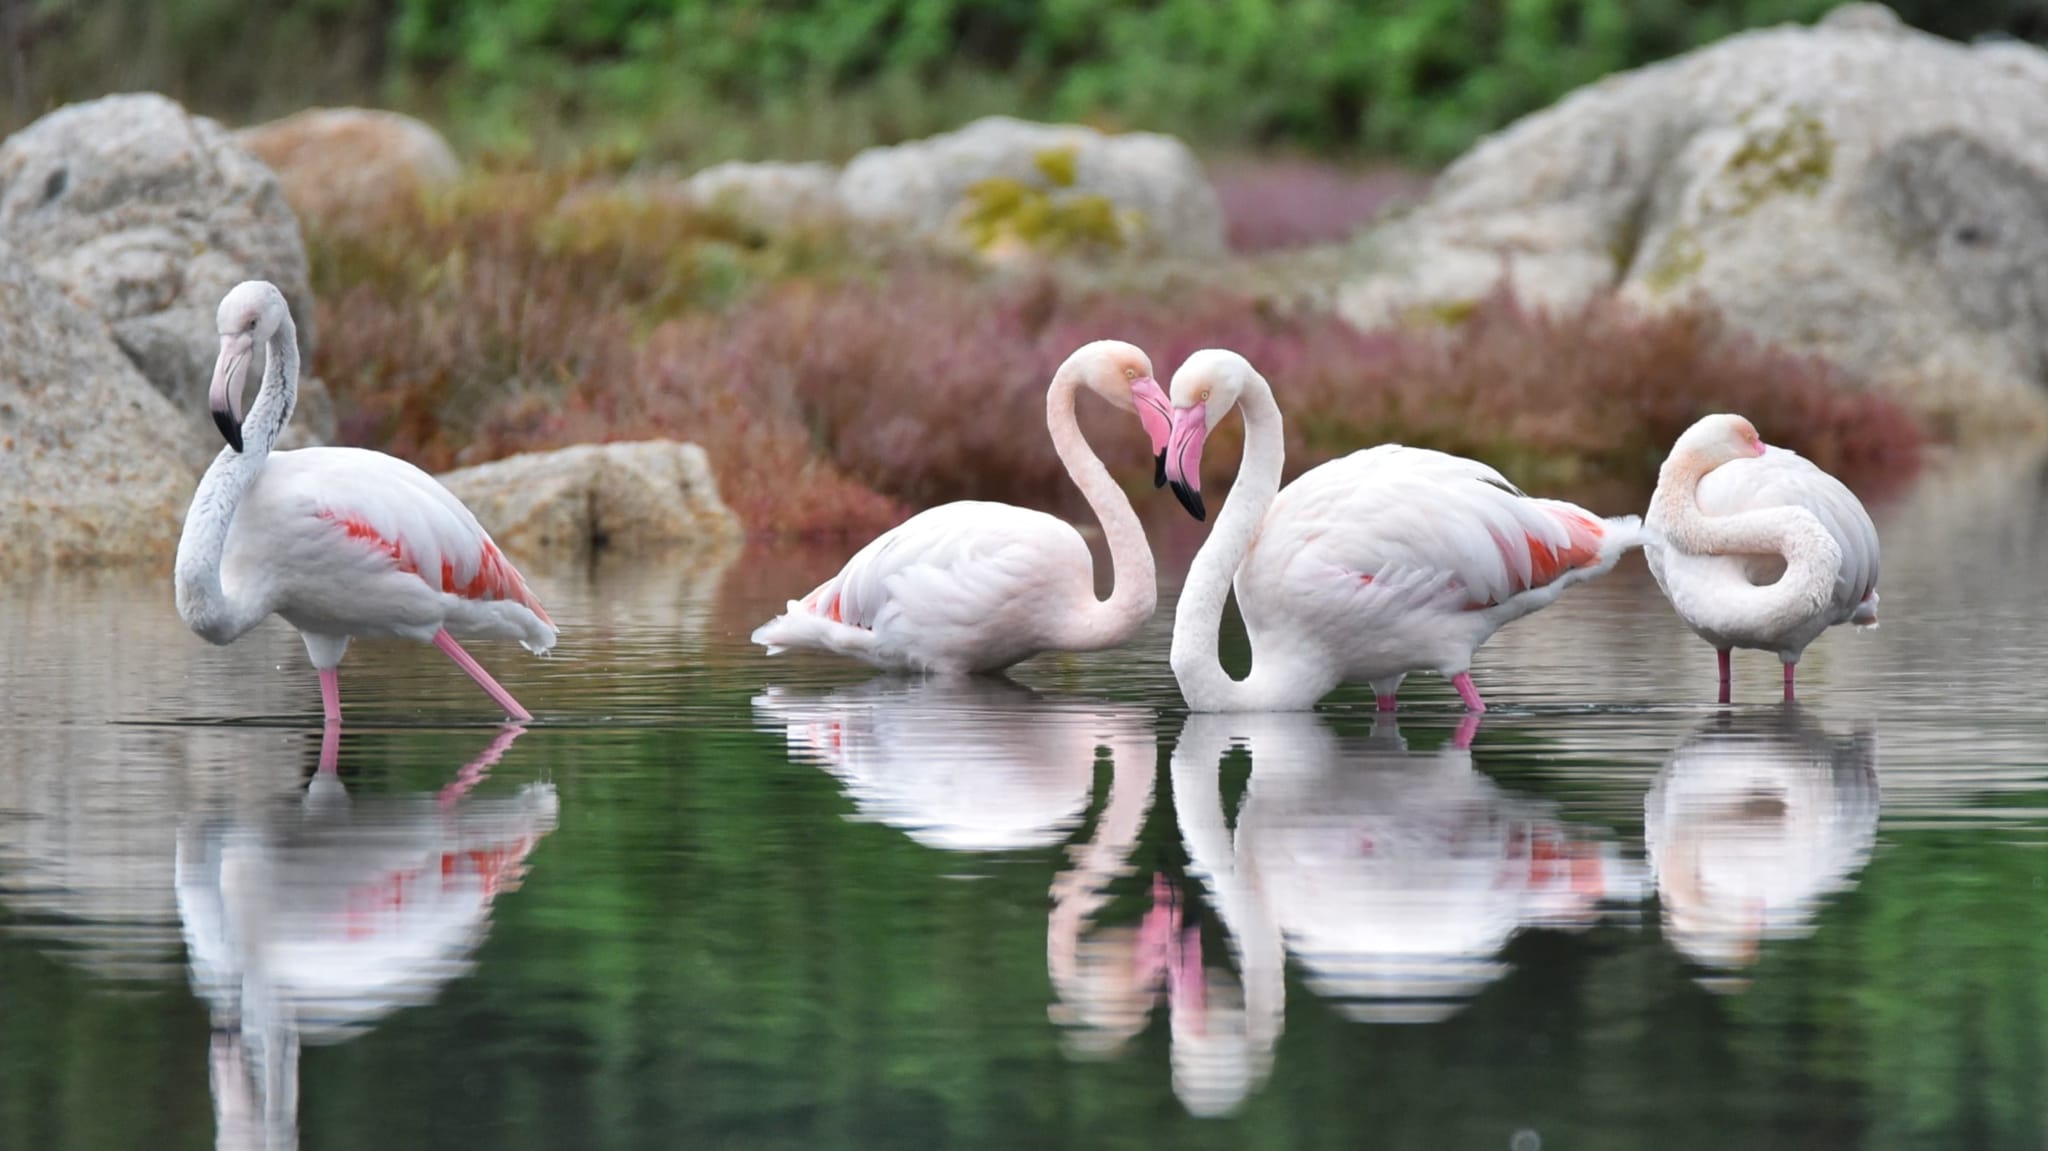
(230, 372)
(1157, 415)
(1183, 466)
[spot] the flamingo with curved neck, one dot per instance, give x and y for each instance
(340, 542)
(1369, 567)
(1756, 547)
(974, 586)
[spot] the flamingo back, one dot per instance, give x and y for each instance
(1783, 478)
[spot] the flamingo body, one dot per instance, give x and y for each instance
(960, 588)
(1399, 559)
(1756, 547)
(344, 543)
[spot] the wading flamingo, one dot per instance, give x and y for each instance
(975, 586)
(1384, 562)
(1756, 547)
(341, 542)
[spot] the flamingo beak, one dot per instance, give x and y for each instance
(1184, 457)
(1157, 416)
(224, 398)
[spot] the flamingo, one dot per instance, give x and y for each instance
(975, 586)
(1756, 547)
(1387, 561)
(340, 542)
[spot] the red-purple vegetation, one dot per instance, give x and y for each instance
(832, 398)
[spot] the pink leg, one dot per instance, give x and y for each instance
(1463, 682)
(330, 743)
(330, 695)
(475, 770)
(1386, 702)
(483, 679)
(1788, 681)
(1722, 653)
(1468, 728)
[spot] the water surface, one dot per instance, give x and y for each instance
(714, 899)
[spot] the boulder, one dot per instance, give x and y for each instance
(1001, 183)
(86, 474)
(1855, 189)
(349, 168)
(771, 196)
(148, 215)
(630, 498)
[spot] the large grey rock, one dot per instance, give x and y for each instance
(1856, 189)
(148, 215)
(769, 195)
(87, 474)
(630, 498)
(1161, 199)
(349, 168)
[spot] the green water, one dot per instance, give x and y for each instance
(712, 899)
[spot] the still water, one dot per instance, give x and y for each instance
(710, 899)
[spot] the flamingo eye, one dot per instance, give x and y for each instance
(1130, 373)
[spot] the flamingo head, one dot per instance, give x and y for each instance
(1716, 440)
(1205, 388)
(250, 314)
(1122, 374)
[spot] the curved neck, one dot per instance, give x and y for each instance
(203, 603)
(1134, 590)
(1812, 556)
(1199, 616)
(1079, 893)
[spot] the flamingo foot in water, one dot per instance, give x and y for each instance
(1463, 682)
(1788, 681)
(1385, 702)
(1722, 654)
(483, 679)
(330, 695)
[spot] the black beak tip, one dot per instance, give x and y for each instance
(229, 429)
(1191, 500)
(1159, 469)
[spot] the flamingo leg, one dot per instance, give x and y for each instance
(330, 740)
(1788, 681)
(1463, 682)
(330, 696)
(483, 679)
(1722, 654)
(1386, 702)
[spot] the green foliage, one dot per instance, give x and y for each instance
(698, 80)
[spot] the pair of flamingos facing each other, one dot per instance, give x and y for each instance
(1384, 562)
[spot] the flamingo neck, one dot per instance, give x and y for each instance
(1134, 591)
(203, 602)
(1734, 606)
(1078, 894)
(1199, 616)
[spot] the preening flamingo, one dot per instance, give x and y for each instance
(341, 542)
(1756, 547)
(975, 586)
(1384, 562)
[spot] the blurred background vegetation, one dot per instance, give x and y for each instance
(698, 81)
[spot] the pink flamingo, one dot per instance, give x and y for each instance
(341, 542)
(1369, 567)
(975, 586)
(1756, 547)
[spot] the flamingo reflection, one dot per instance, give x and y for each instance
(987, 765)
(1752, 822)
(1394, 877)
(312, 921)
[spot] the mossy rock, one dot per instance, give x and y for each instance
(1001, 211)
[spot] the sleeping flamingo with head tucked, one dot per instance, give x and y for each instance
(1756, 547)
(341, 542)
(1369, 567)
(974, 586)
